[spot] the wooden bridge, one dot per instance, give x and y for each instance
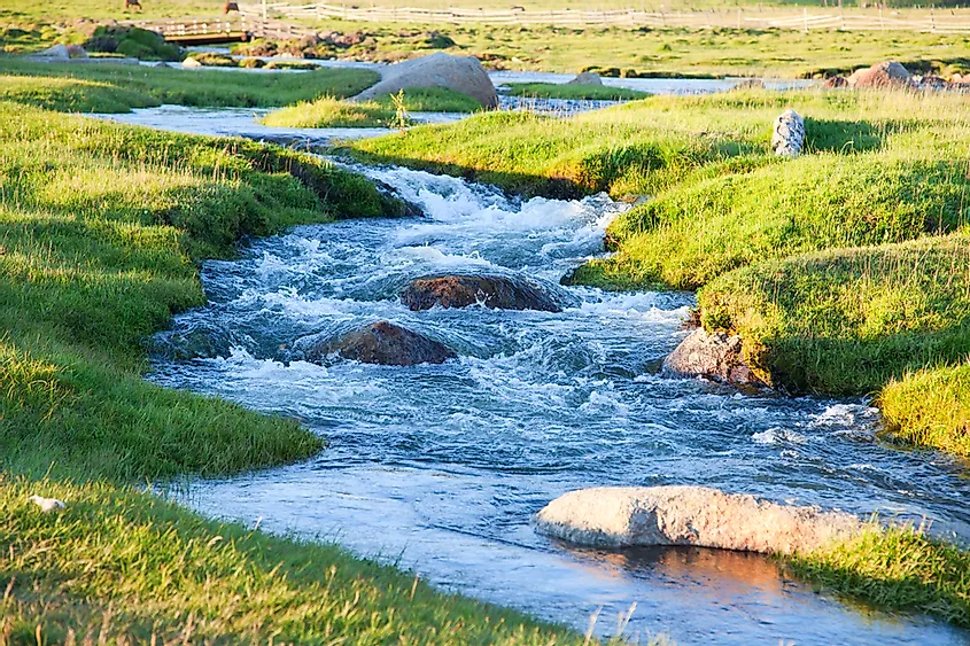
(224, 29)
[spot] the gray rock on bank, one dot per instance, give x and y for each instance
(59, 53)
(586, 78)
(494, 292)
(615, 517)
(715, 356)
(382, 343)
(463, 74)
(788, 136)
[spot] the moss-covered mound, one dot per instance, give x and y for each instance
(849, 321)
(701, 229)
(133, 42)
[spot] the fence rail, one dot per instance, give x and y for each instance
(939, 21)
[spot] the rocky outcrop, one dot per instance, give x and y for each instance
(586, 78)
(714, 356)
(463, 74)
(614, 517)
(495, 292)
(888, 74)
(835, 82)
(381, 343)
(788, 136)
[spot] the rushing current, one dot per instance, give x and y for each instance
(439, 468)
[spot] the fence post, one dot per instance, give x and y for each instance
(805, 19)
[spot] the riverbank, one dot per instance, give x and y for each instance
(103, 229)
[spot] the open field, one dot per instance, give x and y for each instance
(854, 284)
(621, 49)
(665, 52)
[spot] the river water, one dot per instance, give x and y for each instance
(439, 468)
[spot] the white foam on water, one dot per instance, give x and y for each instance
(778, 436)
(843, 415)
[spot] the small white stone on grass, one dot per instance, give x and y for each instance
(789, 134)
(47, 505)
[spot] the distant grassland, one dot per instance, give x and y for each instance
(118, 88)
(662, 52)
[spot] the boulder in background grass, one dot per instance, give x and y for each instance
(888, 74)
(586, 78)
(462, 74)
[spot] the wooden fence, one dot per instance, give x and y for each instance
(926, 20)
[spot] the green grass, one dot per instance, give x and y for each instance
(629, 51)
(330, 112)
(930, 407)
(118, 88)
(693, 233)
(898, 569)
(433, 99)
(131, 567)
(574, 92)
(536, 155)
(101, 231)
(848, 321)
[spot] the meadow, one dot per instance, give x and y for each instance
(845, 271)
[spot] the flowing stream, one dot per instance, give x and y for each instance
(439, 468)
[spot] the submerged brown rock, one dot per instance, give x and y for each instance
(613, 517)
(716, 356)
(381, 343)
(495, 292)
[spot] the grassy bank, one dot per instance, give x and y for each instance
(101, 230)
(899, 569)
(133, 569)
(118, 88)
(848, 321)
(382, 112)
(578, 92)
